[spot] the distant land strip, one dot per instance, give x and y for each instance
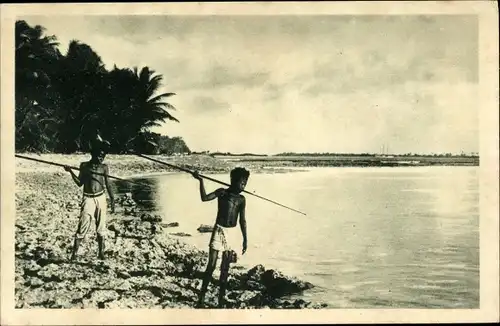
(353, 160)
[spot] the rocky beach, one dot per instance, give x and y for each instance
(148, 265)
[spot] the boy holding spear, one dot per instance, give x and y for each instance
(231, 205)
(94, 205)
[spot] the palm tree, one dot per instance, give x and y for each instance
(62, 100)
(152, 107)
(136, 105)
(82, 84)
(36, 60)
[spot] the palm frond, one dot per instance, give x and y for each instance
(153, 84)
(159, 97)
(170, 117)
(150, 124)
(166, 106)
(145, 75)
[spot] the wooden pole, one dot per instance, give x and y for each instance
(213, 180)
(75, 168)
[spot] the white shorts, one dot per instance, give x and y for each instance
(93, 207)
(225, 239)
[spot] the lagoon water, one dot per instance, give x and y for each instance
(372, 237)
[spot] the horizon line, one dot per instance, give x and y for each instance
(218, 152)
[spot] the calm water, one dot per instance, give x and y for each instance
(372, 237)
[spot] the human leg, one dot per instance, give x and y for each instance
(76, 245)
(82, 230)
(224, 274)
(212, 262)
(100, 219)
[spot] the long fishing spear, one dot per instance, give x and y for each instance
(211, 179)
(75, 168)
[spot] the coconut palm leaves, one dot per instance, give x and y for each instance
(62, 100)
(153, 108)
(36, 59)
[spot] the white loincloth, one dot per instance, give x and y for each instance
(224, 239)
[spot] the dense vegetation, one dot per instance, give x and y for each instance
(62, 100)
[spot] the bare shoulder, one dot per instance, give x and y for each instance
(220, 191)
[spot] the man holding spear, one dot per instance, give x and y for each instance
(93, 177)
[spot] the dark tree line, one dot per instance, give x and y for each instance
(62, 100)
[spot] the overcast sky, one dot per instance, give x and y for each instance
(271, 84)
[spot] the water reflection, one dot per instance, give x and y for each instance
(372, 237)
(144, 196)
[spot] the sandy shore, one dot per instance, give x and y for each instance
(146, 267)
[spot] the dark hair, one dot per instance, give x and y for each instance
(97, 150)
(239, 173)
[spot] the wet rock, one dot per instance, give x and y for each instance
(35, 282)
(123, 274)
(118, 285)
(234, 283)
(238, 267)
(170, 225)
(147, 296)
(181, 234)
(126, 200)
(82, 285)
(204, 228)
(20, 281)
(301, 304)
(278, 284)
(97, 298)
(156, 229)
(51, 286)
(20, 228)
(31, 268)
(320, 305)
(33, 296)
(123, 286)
(141, 272)
(251, 298)
(135, 228)
(71, 205)
(130, 211)
(272, 282)
(129, 302)
(147, 217)
(253, 285)
(115, 229)
(51, 272)
(255, 273)
(103, 268)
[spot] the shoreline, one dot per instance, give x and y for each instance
(132, 165)
(146, 268)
